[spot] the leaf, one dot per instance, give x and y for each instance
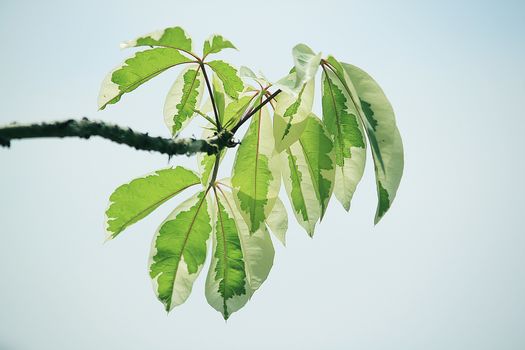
(277, 221)
(382, 124)
(136, 71)
(343, 77)
(175, 38)
(341, 121)
(216, 44)
(228, 75)
(236, 108)
(306, 63)
(308, 173)
(290, 116)
(255, 174)
(257, 247)
(183, 98)
(133, 201)
(247, 73)
(227, 288)
(179, 250)
(240, 262)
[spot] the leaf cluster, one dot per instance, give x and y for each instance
(285, 144)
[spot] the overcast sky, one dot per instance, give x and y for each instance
(445, 269)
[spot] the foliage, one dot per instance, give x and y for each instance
(313, 157)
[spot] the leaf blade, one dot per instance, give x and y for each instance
(380, 115)
(179, 250)
(257, 256)
(341, 121)
(290, 117)
(183, 98)
(135, 200)
(308, 174)
(215, 44)
(173, 37)
(256, 173)
(233, 85)
(277, 221)
(137, 70)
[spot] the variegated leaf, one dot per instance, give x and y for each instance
(240, 262)
(179, 250)
(174, 37)
(136, 71)
(382, 123)
(183, 99)
(308, 173)
(291, 114)
(340, 117)
(306, 64)
(256, 173)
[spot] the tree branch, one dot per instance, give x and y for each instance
(86, 128)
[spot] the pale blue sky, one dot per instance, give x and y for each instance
(445, 269)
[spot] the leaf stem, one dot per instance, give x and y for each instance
(251, 112)
(210, 92)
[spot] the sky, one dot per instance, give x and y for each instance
(444, 269)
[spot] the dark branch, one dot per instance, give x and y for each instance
(253, 111)
(210, 92)
(85, 129)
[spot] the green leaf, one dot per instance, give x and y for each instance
(175, 38)
(308, 173)
(342, 123)
(277, 221)
(133, 201)
(382, 124)
(256, 173)
(228, 75)
(179, 250)
(216, 44)
(240, 262)
(136, 71)
(183, 98)
(236, 108)
(306, 64)
(290, 115)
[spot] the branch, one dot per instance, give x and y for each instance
(253, 111)
(86, 128)
(210, 92)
